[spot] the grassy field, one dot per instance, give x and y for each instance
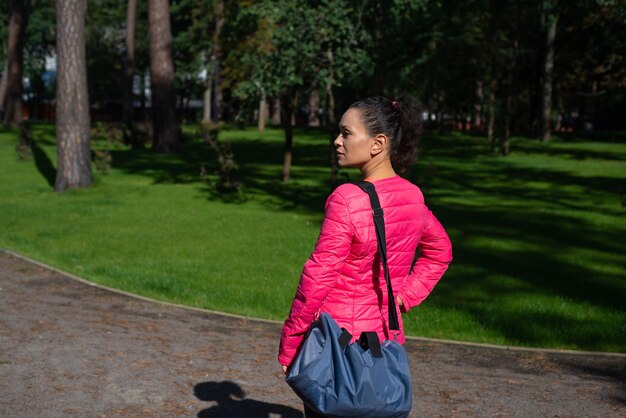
(539, 236)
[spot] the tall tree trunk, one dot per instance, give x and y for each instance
(142, 96)
(295, 99)
(164, 122)
(72, 124)
(332, 134)
(314, 107)
(262, 111)
(286, 113)
(129, 62)
(592, 107)
(535, 96)
(505, 144)
(546, 122)
(332, 121)
(478, 106)
(207, 99)
(276, 112)
(20, 12)
(508, 110)
(218, 11)
(561, 110)
(3, 84)
(491, 122)
(218, 96)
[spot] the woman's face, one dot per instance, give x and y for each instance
(353, 144)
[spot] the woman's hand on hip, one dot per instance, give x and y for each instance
(400, 303)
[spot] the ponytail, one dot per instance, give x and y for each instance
(404, 145)
(399, 120)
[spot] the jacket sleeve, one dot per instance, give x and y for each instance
(434, 258)
(320, 273)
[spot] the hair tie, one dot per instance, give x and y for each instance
(394, 104)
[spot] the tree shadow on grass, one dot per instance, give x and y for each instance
(232, 403)
(43, 163)
(582, 155)
(531, 255)
(182, 168)
(494, 179)
(44, 133)
(259, 172)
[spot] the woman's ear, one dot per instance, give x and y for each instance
(379, 144)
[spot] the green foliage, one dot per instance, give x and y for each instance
(40, 37)
(192, 38)
(599, 29)
(105, 28)
(23, 152)
(436, 50)
(38, 44)
(538, 251)
(294, 44)
(111, 132)
(102, 161)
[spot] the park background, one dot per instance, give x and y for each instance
(182, 150)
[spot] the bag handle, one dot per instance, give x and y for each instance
(370, 341)
(379, 223)
(344, 338)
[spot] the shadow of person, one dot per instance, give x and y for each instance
(231, 403)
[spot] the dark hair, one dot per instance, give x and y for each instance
(399, 120)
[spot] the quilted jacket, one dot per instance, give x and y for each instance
(344, 274)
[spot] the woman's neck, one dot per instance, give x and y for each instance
(377, 170)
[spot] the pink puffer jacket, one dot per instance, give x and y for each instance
(339, 279)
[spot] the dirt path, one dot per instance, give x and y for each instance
(68, 349)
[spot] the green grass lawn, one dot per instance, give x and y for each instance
(538, 236)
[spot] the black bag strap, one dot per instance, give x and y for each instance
(369, 341)
(344, 338)
(379, 223)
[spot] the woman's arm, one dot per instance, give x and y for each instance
(319, 275)
(435, 256)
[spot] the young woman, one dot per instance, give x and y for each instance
(344, 275)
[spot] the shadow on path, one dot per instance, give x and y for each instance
(231, 403)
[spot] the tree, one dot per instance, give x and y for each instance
(591, 85)
(3, 35)
(129, 61)
(247, 45)
(72, 127)
(193, 35)
(164, 122)
(39, 45)
(20, 12)
(289, 62)
(104, 32)
(551, 18)
(277, 57)
(3, 84)
(112, 33)
(216, 59)
(288, 49)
